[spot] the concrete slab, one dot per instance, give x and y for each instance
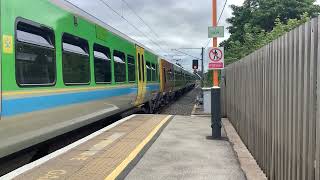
(183, 151)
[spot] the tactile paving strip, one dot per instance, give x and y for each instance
(98, 157)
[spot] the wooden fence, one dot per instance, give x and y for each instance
(272, 99)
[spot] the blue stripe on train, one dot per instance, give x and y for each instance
(153, 87)
(11, 107)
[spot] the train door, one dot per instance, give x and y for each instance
(141, 75)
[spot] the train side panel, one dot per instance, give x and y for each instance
(35, 113)
(152, 75)
(167, 77)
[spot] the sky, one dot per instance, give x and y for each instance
(163, 25)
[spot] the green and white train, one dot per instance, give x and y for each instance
(62, 69)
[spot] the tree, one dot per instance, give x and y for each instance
(258, 22)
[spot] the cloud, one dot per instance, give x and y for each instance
(174, 24)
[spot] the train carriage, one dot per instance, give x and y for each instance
(62, 69)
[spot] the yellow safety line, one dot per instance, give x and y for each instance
(116, 172)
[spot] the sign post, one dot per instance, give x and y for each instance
(216, 61)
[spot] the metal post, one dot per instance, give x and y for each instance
(202, 67)
(215, 113)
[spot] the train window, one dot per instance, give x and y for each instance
(165, 75)
(102, 64)
(153, 67)
(171, 75)
(35, 55)
(75, 60)
(119, 66)
(157, 72)
(143, 68)
(139, 66)
(149, 72)
(131, 69)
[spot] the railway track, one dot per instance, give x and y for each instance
(183, 104)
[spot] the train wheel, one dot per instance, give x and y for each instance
(147, 108)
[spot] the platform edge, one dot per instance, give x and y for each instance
(122, 170)
(59, 152)
(247, 162)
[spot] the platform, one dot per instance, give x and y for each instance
(146, 147)
(106, 154)
(184, 150)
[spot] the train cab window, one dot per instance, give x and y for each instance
(149, 72)
(119, 66)
(35, 55)
(153, 68)
(165, 75)
(131, 68)
(75, 60)
(102, 64)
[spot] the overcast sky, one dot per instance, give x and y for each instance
(171, 24)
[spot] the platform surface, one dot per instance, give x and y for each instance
(183, 151)
(104, 156)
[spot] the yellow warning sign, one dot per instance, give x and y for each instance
(7, 44)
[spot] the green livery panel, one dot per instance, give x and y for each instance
(44, 13)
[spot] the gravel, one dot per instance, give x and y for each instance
(184, 105)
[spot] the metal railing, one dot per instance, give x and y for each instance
(272, 99)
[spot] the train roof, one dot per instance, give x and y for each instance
(178, 67)
(73, 9)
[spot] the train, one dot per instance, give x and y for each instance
(63, 69)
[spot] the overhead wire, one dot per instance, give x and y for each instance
(224, 6)
(220, 16)
(207, 44)
(131, 24)
(140, 18)
(93, 16)
(145, 23)
(187, 54)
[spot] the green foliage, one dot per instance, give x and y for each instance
(208, 79)
(207, 82)
(258, 22)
